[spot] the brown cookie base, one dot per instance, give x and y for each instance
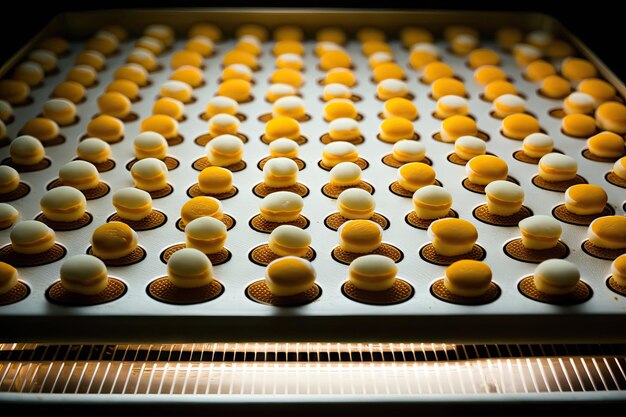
(601, 253)
(333, 191)
(301, 164)
(262, 190)
(201, 163)
(439, 290)
(482, 213)
(615, 287)
(615, 180)
(57, 294)
(581, 294)
(415, 136)
(161, 289)
(151, 221)
(41, 165)
(195, 191)
(326, 139)
(258, 291)
(381, 116)
(130, 117)
(522, 157)
(105, 166)
(480, 135)
(588, 155)
(400, 191)
(560, 186)
(170, 163)
(110, 141)
(268, 116)
(408, 96)
(400, 292)
(355, 98)
(263, 255)
(335, 220)
(358, 118)
(163, 192)
(261, 225)
(136, 256)
(176, 140)
(15, 294)
(390, 161)
(206, 117)
(217, 258)
(301, 140)
(457, 160)
(202, 140)
(227, 219)
(57, 226)
(423, 224)
(480, 189)
(385, 249)
(557, 113)
(59, 140)
(566, 216)
(94, 193)
(8, 255)
(22, 190)
(429, 254)
(516, 250)
(362, 163)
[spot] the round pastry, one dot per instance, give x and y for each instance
(519, 125)
(618, 270)
(119, 32)
(508, 104)
(284, 148)
(224, 150)
(189, 75)
(612, 116)
(14, 91)
(113, 240)
(415, 175)
(537, 145)
(556, 167)
(485, 169)
(577, 69)
(60, 110)
(143, 57)
(206, 234)
(126, 87)
(208, 30)
(199, 207)
(280, 172)
(467, 278)
(388, 70)
(163, 33)
(26, 150)
(237, 72)
(150, 145)
(30, 237)
(539, 38)
(149, 174)
(585, 199)
(394, 129)
(282, 127)
(169, 107)
(578, 102)
(356, 203)
(538, 70)
(186, 57)
(371, 47)
(422, 54)
(83, 74)
(164, 125)
(8, 278)
(335, 59)
(3, 130)
(578, 125)
(287, 76)
(276, 91)
(378, 58)
(252, 30)
(498, 88)
(399, 107)
(288, 33)
(608, 232)
(452, 237)
(504, 198)
(179, 90)
(413, 35)
(223, 123)
(240, 57)
(238, 90)
(291, 60)
(483, 56)
(8, 215)
(447, 87)
(114, 104)
(9, 179)
(555, 87)
(287, 240)
(432, 202)
(221, 104)
(435, 71)
(599, 89)
(250, 44)
(488, 74)
(540, 232)
(619, 168)
(372, 273)
(105, 127)
(93, 59)
(342, 76)
(42, 128)
(330, 34)
(391, 88)
(337, 152)
(321, 47)
(151, 44)
(189, 268)
(63, 204)
(281, 207)
(467, 147)
(556, 277)
(79, 174)
(201, 45)
(345, 174)
(29, 72)
(215, 180)
(84, 275)
(507, 37)
(46, 59)
(340, 108)
(409, 151)
(456, 126)
(289, 276)
(448, 106)
(360, 236)
(132, 203)
(525, 54)
(290, 106)
(335, 90)
(463, 44)
(606, 145)
(6, 111)
(103, 42)
(55, 44)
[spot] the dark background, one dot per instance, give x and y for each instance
(595, 23)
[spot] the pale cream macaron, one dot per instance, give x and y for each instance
(289, 275)
(63, 204)
(93, 150)
(30, 237)
(508, 104)
(337, 152)
(432, 202)
(608, 232)
(132, 203)
(280, 172)
(373, 273)
(48, 60)
(189, 268)
(408, 151)
(281, 207)
(26, 150)
(556, 277)
(448, 106)
(179, 90)
(206, 234)
(84, 275)
(618, 270)
(290, 106)
(60, 110)
(336, 90)
(237, 71)
(224, 150)
(619, 168)
(344, 129)
(29, 72)
(9, 179)
(221, 104)
(8, 277)
(540, 232)
(468, 278)
(345, 174)
(537, 145)
(467, 147)
(149, 174)
(391, 88)
(79, 174)
(556, 167)
(284, 148)
(504, 198)
(356, 203)
(150, 145)
(8, 215)
(578, 102)
(276, 91)
(288, 240)
(524, 54)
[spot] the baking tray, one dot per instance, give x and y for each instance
(233, 317)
